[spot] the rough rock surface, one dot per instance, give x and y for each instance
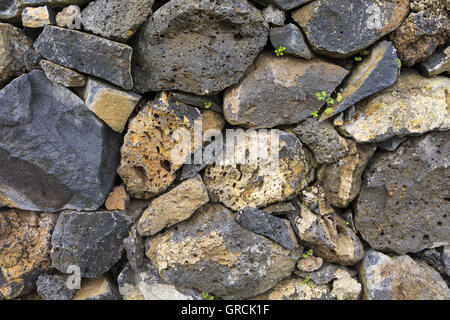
(403, 205)
(222, 38)
(400, 278)
(296, 289)
(144, 283)
(212, 253)
(346, 289)
(116, 19)
(134, 246)
(174, 206)
(38, 17)
(327, 273)
(310, 264)
(118, 199)
(328, 236)
(111, 104)
(438, 63)
(376, 72)
(341, 180)
(265, 224)
(324, 141)
(313, 196)
(259, 184)
(69, 17)
(284, 4)
(48, 140)
(280, 90)
(89, 240)
(87, 53)
(24, 250)
(97, 289)
(342, 28)
(290, 37)
(54, 287)
(12, 9)
(13, 47)
(414, 105)
(419, 36)
(274, 16)
(62, 75)
(147, 166)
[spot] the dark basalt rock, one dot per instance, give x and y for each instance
(87, 53)
(403, 204)
(55, 153)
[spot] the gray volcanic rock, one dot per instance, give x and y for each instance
(327, 273)
(403, 204)
(62, 75)
(341, 28)
(377, 72)
(14, 45)
(198, 46)
(290, 37)
(280, 90)
(54, 287)
(438, 63)
(116, 19)
(212, 253)
(284, 4)
(324, 141)
(90, 240)
(87, 53)
(400, 278)
(265, 224)
(55, 153)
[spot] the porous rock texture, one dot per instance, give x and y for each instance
(167, 150)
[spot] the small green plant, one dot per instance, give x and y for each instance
(307, 281)
(329, 110)
(321, 95)
(308, 253)
(399, 63)
(361, 56)
(280, 51)
(315, 114)
(207, 296)
(358, 59)
(207, 105)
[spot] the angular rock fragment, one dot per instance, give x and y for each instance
(419, 35)
(313, 197)
(325, 142)
(284, 4)
(90, 240)
(295, 288)
(376, 72)
(341, 180)
(436, 258)
(14, 45)
(97, 289)
(54, 287)
(134, 246)
(290, 37)
(280, 90)
(198, 46)
(438, 63)
(202, 102)
(342, 28)
(212, 253)
(38, 17)
(280, 208)
(309, 264)
(276, 229)
(346, 289)
(260, 184)
(49, 139)
(62, 75)
(24, 250)
(144, 283)
(87, 53)
(328, 236)
(327, 273)
(111, 104)
(400, 278)
(403, 204)
(69, 17)
(116, 19)
(174, 206)
(414, 105)
(147, 166)
(118, 199)
(274, 16)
